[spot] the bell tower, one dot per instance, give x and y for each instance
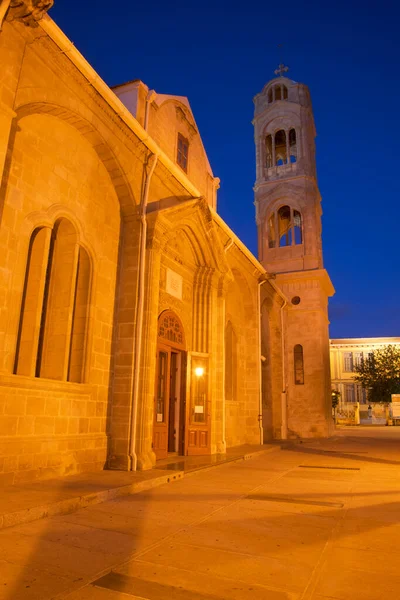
(288, 216)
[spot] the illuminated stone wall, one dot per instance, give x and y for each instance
(72, 175)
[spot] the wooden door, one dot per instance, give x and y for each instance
(161, 402)
(198, 417)
(172, 429)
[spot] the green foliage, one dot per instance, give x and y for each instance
(335, 398)
(379, 374)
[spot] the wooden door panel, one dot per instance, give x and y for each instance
(198, 417)
(161, 403)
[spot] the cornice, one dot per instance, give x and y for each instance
(320, 275)
(28, 12)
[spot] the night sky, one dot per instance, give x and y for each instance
(220, 55)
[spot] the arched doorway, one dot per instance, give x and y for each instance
(170, 388)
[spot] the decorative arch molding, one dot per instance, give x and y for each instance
(280, 196)
(170, 330)
(291, 120)
(95, 140)
(47, 218)
(197, 223)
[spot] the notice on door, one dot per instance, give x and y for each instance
(173, 284)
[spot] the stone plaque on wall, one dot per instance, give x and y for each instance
(173, 284)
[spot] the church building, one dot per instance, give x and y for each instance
(134, 324)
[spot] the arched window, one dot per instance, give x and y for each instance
(271, 232)
(298, 365)
(230, 362)
(268, 151)
(297, 229)
(53, 321)
(292, 146)
(290, 230)
(280, 147)
(284, 226)
(170, 329)
(277, 92)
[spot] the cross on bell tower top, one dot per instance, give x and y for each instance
(281, 70)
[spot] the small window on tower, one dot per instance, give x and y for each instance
(268, 151)
(280, 148)
(298, 365)
(183, 152)
(292, 146)
(271, 231)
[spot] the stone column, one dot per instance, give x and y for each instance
(6, 117)
(292, 226)
(273, 151)
(218, 440)
(123, 345)
(287, 147)
(145, 410)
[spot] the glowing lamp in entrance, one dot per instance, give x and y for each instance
(199, 371)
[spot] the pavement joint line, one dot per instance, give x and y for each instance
(315, 576)
(153, 546)
(91, 580)
(225, 577)
(328, 467)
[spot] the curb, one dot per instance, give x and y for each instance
(70, 505)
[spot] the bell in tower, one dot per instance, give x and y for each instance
(288, 216)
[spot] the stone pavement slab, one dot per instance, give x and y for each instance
(271, 528)
(62, 495)
(32, 501)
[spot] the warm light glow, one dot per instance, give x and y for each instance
(199, 371)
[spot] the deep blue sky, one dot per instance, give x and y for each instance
(220, 54)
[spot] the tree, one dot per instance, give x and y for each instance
(335, 398)
(379, 374)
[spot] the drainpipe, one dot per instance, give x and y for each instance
(284, 425)
(260, 358)
(228, 245)
(152, 161)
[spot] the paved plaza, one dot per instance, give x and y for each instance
(315, 520)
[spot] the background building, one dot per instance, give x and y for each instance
(345, 354)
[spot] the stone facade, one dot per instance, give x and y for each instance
(288, 215)
(129, 311)
(105, 233)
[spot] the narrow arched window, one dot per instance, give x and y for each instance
(290, 230)
(79, 318)
(284, 226)
(277, 92)
(298, 365)
(230, 362)
(271, 232)
(53, 320)
(280, 147)
(32, 302)
(268, 151)
(292, 146)
(297, 227)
